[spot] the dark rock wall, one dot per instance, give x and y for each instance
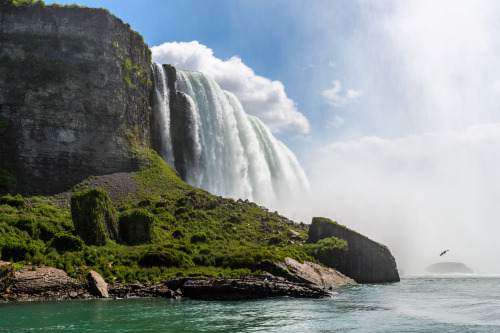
(365, 261)
(74, 96)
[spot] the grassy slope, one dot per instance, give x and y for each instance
(194, 232)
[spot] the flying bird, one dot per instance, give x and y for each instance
(443, 252)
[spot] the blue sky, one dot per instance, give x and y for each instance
(392, 107)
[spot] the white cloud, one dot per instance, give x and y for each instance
(338, 99)
(259, 96)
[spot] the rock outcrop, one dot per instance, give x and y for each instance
(365, 261)
(74, 96)
(218, 289)
(97, 286)
(449, 268)
(6, 275)
(44, 283)
(306, 272)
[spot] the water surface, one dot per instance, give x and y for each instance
(426, 303)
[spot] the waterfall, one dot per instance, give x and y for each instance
(162, 106)
(231, 154)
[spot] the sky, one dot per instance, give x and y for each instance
(392, 107)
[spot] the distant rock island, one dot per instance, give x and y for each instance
(449, 267)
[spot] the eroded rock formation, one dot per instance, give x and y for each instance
(365, 260)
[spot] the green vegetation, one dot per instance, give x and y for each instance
(185, 231)
(41, 3)
(135, 75)
(325, 245)
(8, 180)
(22, 3)
(94, 216)
(136, 226)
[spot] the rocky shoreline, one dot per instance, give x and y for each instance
(49, 283)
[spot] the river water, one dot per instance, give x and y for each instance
(416, 304)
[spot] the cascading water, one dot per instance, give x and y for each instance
(232, 154)
(163, 113)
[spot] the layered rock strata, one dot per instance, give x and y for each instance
(74, 96)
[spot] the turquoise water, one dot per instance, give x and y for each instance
(434, 304)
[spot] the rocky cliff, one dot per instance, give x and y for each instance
(365, 261)
(74, 95)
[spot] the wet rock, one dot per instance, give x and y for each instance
(244, 288)
(158, 289)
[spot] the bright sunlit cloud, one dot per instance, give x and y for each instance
(259, 96)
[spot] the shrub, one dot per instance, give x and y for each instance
(177, 233)
(28, 224)
(199, 237)
(63, 242)
(274, 240)
(166, 258)
(16, 201)
(326, 245)
(46, 231)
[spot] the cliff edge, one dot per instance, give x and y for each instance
(74, 96)
(365, 261)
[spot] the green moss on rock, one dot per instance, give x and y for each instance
(136, 226)
(94, 216)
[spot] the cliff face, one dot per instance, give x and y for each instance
(74, 96)
(365, 261)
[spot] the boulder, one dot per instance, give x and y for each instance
(365, 260)
(306, 272)
(45, 281)
(97, 286)
(6, 275)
